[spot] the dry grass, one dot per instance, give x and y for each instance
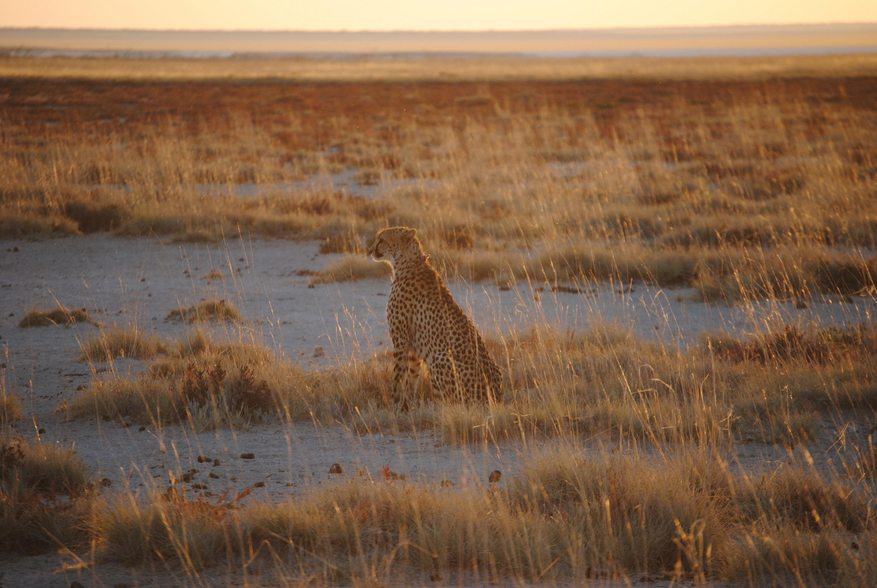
(738, 188)
(682, 511)
(352, 268)
(771, 388)
(195, 380)
(565, 517)
(605, 380)
(10, 405)
(209, 310)
(59, 316)
(122, 342)
(443, 69)
(44, 500)
(742, 189)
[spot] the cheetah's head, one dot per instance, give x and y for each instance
(391, 244)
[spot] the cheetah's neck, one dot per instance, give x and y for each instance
(409, 260)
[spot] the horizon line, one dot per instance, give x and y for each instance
(455, 31)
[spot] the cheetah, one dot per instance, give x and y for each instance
(428, 327)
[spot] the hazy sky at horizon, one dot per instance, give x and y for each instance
(385, 15)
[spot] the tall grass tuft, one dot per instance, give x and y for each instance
(44, 500)
(127, 342)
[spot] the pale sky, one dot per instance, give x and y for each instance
(386, 15)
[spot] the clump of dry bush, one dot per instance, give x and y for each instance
(209, 310)
(44, 498)
(58, 316)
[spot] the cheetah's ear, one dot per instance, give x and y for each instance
(410, 234)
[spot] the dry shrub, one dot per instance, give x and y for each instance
(93, 218)
(127, 342)
(240, 393)
(210, 384)
(18, 225)
(41, 498)
(360, 521)
(629, 516)
(207, 397)
(804, 500)
(42, 468)
(783, 555)
(349, 243)
(792, 344)
(210, 310)
(352, 268)
(10, 405)
(194, 532)
(59, 316)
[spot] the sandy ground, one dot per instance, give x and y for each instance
(137, 282)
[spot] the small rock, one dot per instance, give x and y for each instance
(42, 431)
(216, 462)
(319, 351)
(213, 476)
(854, 545)
(120, 585)
(447, 483)
(336, 469)
(199, 487)
(141, 429)
(76, 585)
(106, 482)
(259, 485)
(248, 456)
(187, 477)
(202, 459)
(494, 476)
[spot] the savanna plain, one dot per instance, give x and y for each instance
(674, 269)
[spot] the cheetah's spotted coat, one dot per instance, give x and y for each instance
(426, 325)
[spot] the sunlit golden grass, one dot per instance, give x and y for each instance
(128, 342)
(675, 508)
(351, 268)
(738, 189)
(772, 388)
(566, 516)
